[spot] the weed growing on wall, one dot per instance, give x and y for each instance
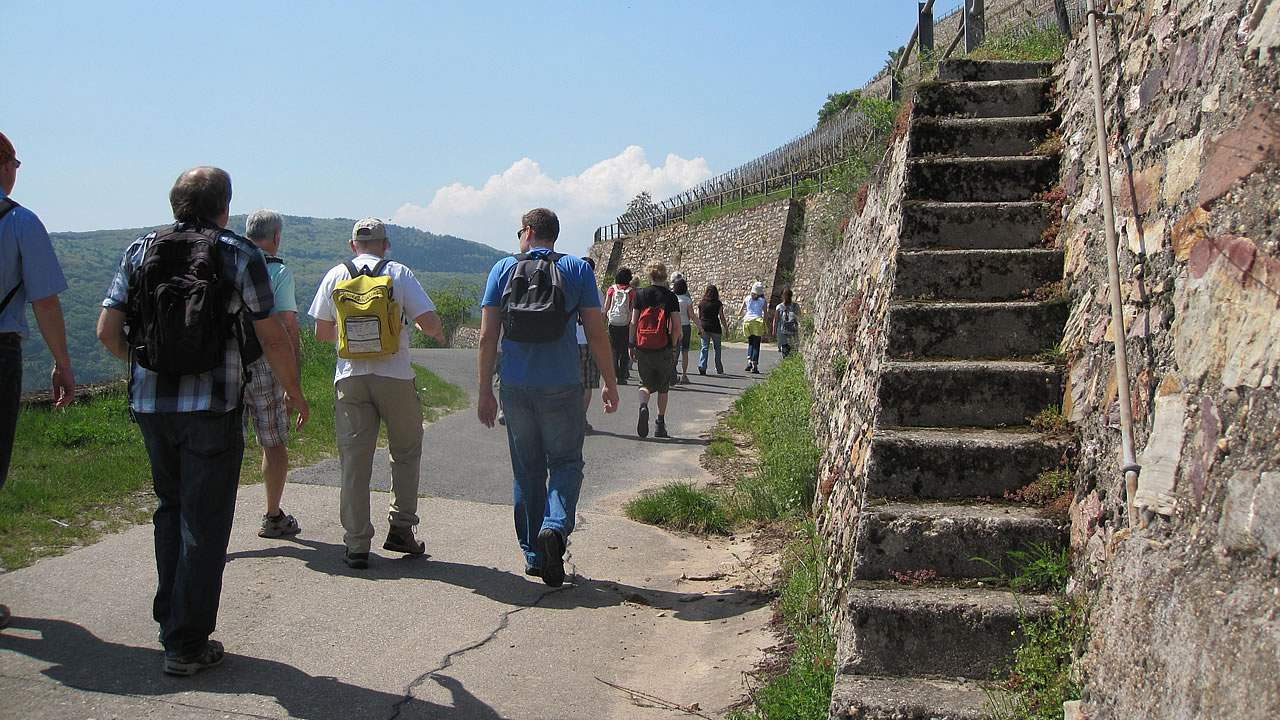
(1040, 679)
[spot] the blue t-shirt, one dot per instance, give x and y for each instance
(553, 363)
(26, 255)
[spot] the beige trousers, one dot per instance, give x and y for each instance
(360, 403)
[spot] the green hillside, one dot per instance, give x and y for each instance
(310, 246)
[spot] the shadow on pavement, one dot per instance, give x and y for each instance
(511, 588)
(84, 661)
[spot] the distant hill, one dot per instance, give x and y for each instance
(310, 246)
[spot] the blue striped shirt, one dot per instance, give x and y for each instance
(217, 390)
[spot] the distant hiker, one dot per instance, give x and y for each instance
(680, 287)
(617, 309)
(753, 324)
(655, 333)
(373, 384)
(29, 273)
(187, 402)
(786, 323)
(711, 323)
(590, 371)
(263, 395)
(536, 297)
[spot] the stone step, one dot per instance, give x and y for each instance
(987, 394)
(894, 629)
(946, 538)
(1006, 179)
(965, 69)
(871, 697)
(972, 331)
(973, 226)
(985, 99)
(951, 463)
(981, 275)
(979, 137)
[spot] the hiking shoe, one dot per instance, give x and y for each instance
(552, 557)
(702, 371)
(274, 526)
(502, 419)
(355, 560)
(588, 430)
(755, 369)
(401, 539)
(5, 616)
(532, 571)
(660, 430)
(642, 425)
(185, 665)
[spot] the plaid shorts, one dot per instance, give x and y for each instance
(587, 365)
(264, 401)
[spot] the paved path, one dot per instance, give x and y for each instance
(460, 634)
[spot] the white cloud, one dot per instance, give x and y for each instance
(585, 201)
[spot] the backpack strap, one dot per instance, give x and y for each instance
(351, 268)
(6, 205)
(273, 259)
(377, 269)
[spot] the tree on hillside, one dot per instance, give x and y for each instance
(454, 302)
(640, 208)
(836, 103)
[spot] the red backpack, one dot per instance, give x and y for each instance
(651, 329)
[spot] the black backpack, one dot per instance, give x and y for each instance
(177, 317)
(533, 301)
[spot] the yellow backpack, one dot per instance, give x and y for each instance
(368, 316)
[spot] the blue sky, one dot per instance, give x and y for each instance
(451, 117)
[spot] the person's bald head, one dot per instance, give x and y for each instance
(202, 194)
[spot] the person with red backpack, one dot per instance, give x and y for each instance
(655, 335)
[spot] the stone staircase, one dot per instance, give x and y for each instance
(952, 434)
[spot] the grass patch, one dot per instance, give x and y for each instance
(1040, 679)
(1050, 420)
(81, 472)
(800, 687)
(1040, 567)
(721, 445)
(1042, 43)
(680, 506)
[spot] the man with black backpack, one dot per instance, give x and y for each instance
(361, 306)
(171, 313)
(536, 298)
(29, 273)
(656, 329)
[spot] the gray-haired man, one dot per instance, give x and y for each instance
(263, 394)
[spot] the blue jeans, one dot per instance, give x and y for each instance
(195, 468)
(708, 341)
(545, 427)
(753, 349)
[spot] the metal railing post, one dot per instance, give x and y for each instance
(975, 24)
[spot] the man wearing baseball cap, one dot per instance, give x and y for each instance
(374, 390)
(29, 273)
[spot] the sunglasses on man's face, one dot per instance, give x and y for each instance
(520, 233)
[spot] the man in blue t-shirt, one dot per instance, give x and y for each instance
(542, 400)
(29, 273)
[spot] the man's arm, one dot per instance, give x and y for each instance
(326, 331)
(290, 320)
(284, 365)
(593, 326)
(429, 323)
(487, 405)
(631, 331)
(48, 312)
(111, 332)
(676, 328)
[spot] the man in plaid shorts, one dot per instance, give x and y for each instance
(263, 394)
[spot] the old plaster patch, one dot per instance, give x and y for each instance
(1160, 458)
(1251, 514)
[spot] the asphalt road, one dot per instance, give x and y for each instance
(464, 460)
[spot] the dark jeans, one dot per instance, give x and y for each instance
(10, 394)
(195, 468)
(620, 341)
(753, 348)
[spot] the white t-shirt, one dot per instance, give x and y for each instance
(685, 303)
(582, 334)
(413, 302)
(753, 308)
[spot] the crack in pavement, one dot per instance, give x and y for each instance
(503, 623)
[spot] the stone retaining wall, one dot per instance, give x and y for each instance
(1184, 618)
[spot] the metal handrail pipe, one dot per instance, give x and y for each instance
(1130, 463)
